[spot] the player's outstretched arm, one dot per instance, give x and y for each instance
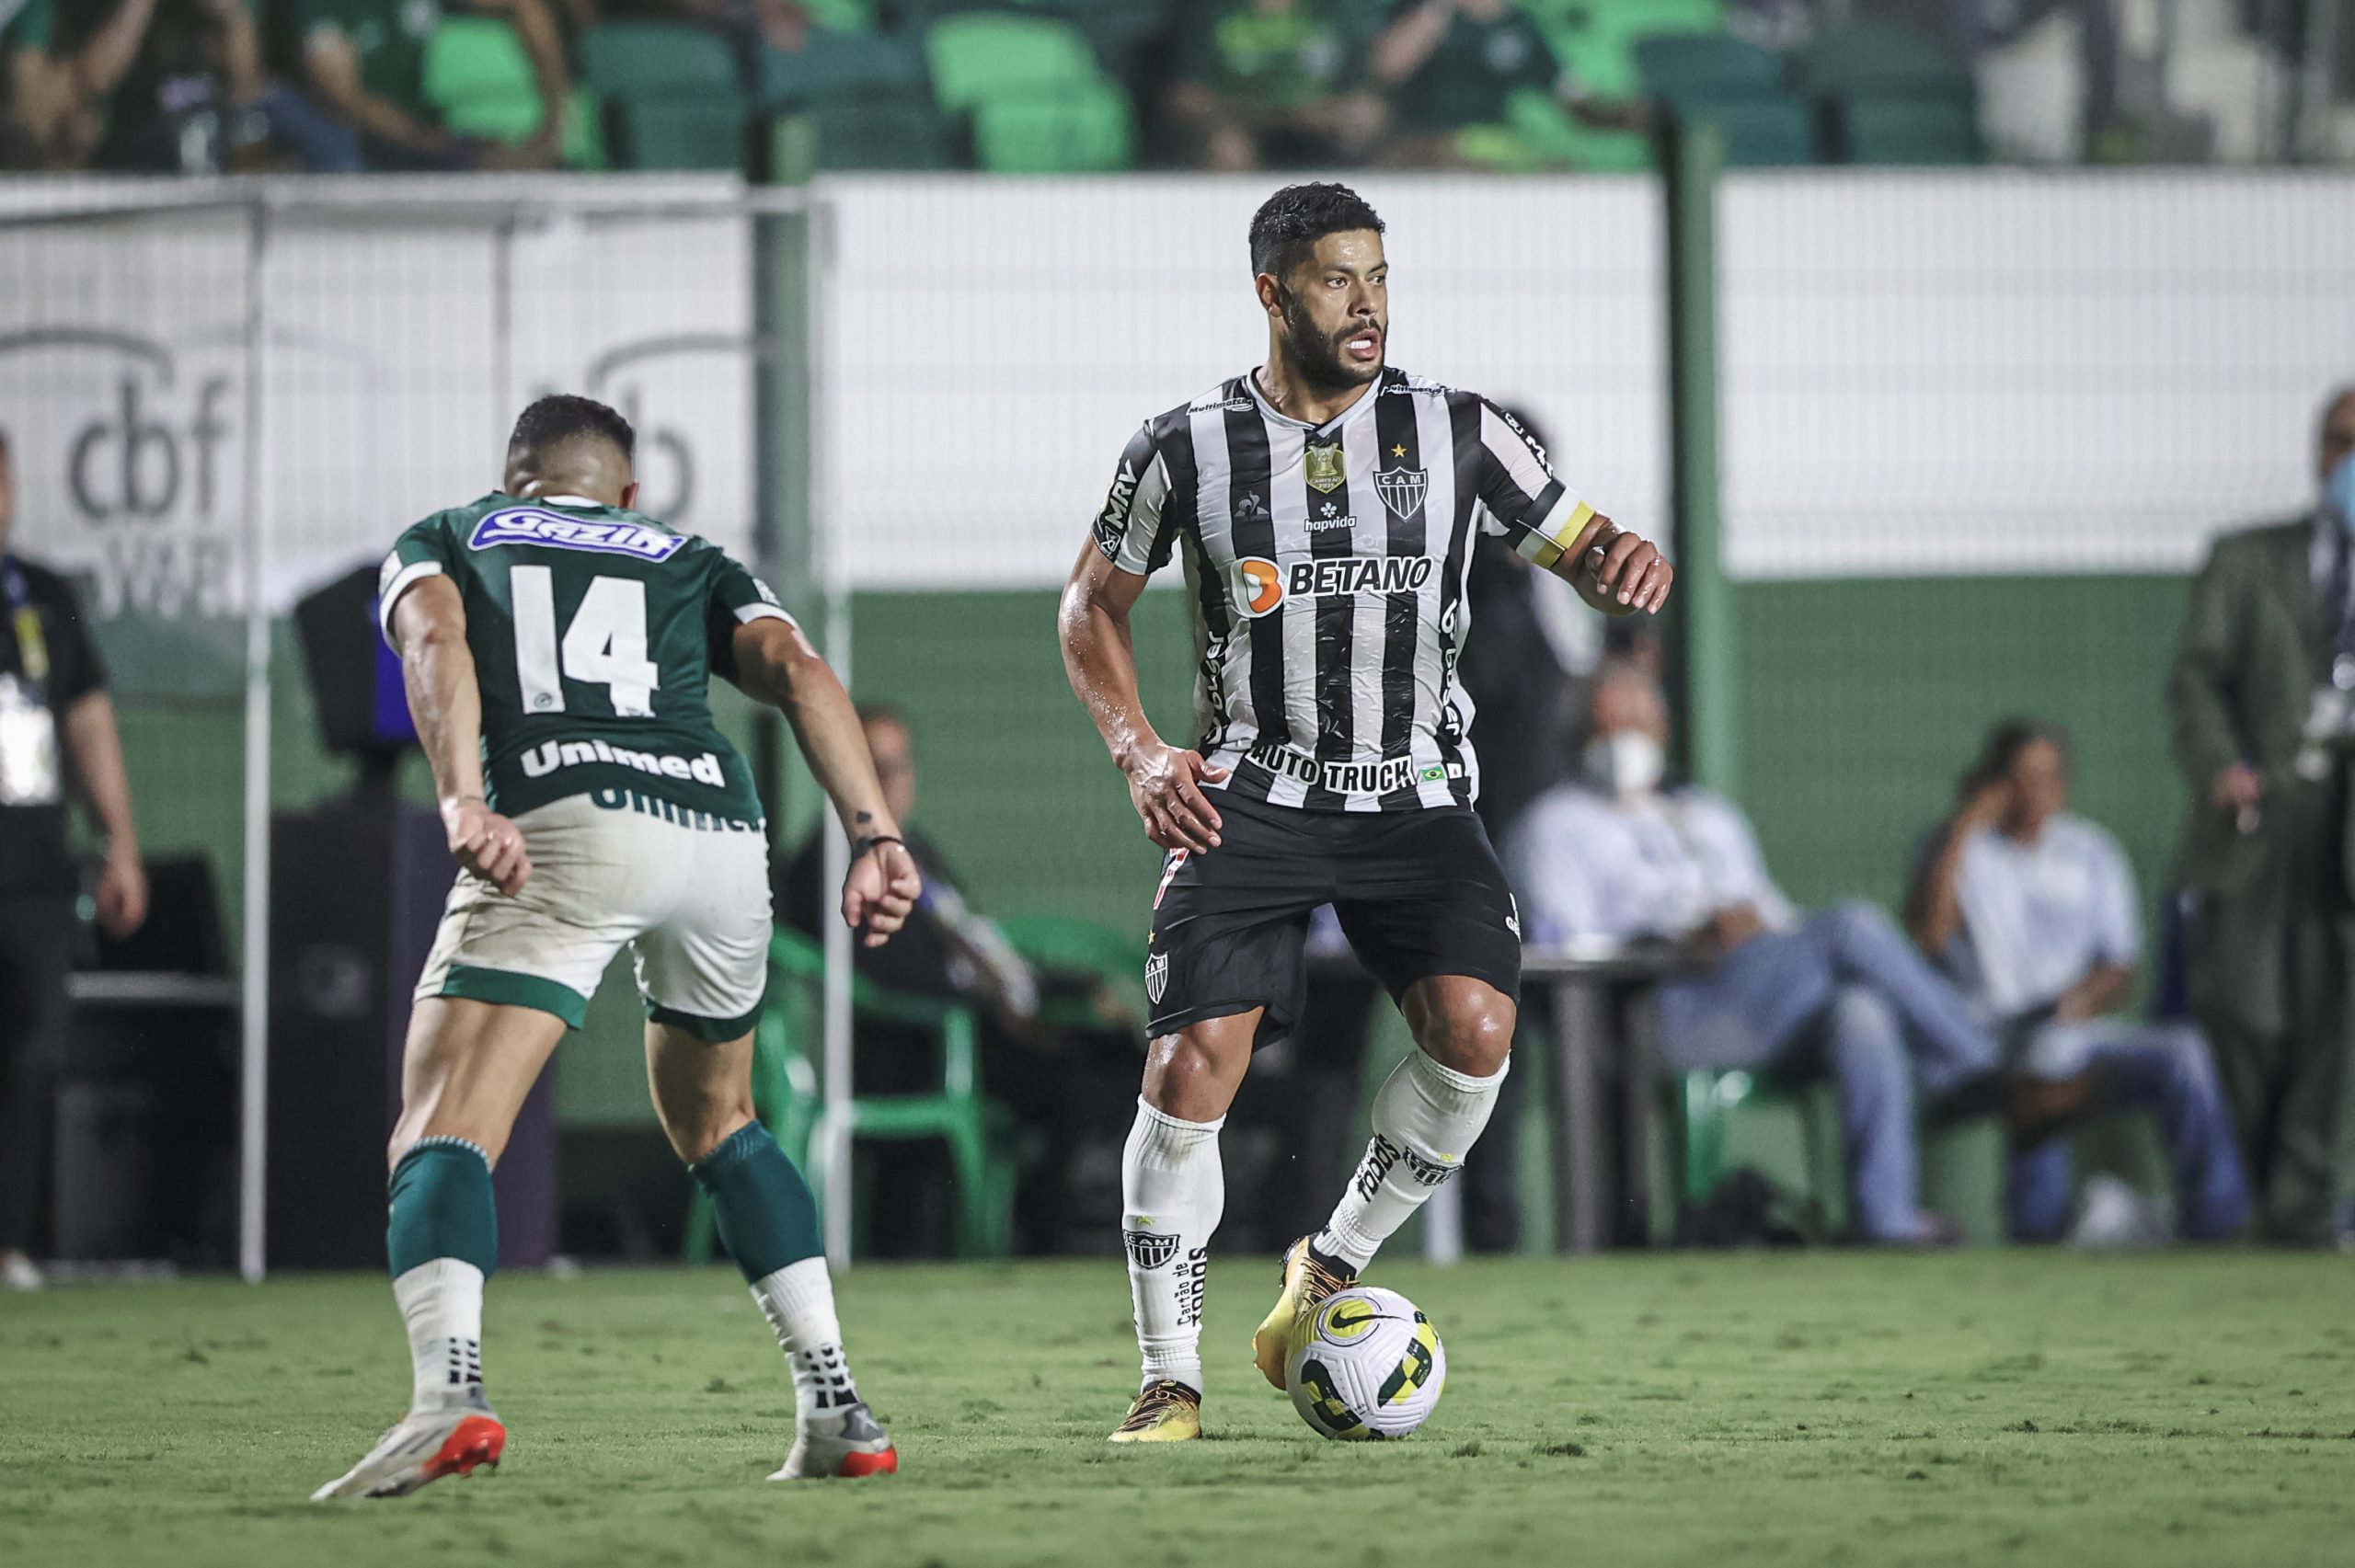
(1617, 572)
(775, 664)
(429, 624)
(1099, 655)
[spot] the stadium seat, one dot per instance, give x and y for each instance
(1680, 65)
(1698, 1107)
(1762, 131)
(681, 131)
(1868, 55)
(1908, 130)
(636, 59)
(1538, 133)
(1082, 128)
(985, 54)
(977, 1132)
(904, 135)
(1115, 959)
(479, 77)
(839, 67)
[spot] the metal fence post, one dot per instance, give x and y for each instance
(1705, 645)
(254, 1009)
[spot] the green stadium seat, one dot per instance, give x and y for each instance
(839, 67)
(1678, 65)
(1760, 129)
(984, 54)
(635, 59)
(1908, 130)
(1086, 128)
(901, 134)
(1698, 1107)
(1871, 55)
(681, 131)
(1538, 133)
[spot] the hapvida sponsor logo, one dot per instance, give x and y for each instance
(549, 755)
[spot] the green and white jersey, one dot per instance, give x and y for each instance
(595, 635)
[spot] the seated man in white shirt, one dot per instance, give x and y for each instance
(1613, 854)
(2033, 911)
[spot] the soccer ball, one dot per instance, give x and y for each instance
(1365, 1365)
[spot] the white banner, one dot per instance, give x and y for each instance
(1948, 372)
(405, 332)
(992, 343)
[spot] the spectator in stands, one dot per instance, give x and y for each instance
(64, 62)
(363, 65)
(1059, 1082)
(27, 91)
(2032, 910)
(1616, 855)
(2261, 701)
(1275, 84)
(173, 86)
(57, 736)
(1446, 65)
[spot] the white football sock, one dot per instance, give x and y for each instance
(441, 1300)
(1426, 1118)
(1173, 1192)
(798, 1301)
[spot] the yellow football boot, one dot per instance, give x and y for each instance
(1309, 1277)
(1165, 1412)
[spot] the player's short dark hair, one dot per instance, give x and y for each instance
(562, 417)
(1287, 225)
(2002, 747)
(2339, 394)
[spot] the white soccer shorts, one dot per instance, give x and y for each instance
(689, 894)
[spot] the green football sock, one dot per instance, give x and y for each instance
(441, 1206)
(766, 1215)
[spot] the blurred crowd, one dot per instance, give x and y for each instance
(1046, 86)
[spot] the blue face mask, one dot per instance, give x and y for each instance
(2338, 490)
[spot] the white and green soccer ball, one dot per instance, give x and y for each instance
(1365, 1365)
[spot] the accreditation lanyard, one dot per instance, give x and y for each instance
(24, 622)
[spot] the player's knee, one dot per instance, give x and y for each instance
(1469, 1033)
(1189, 1076)
(695, 1131)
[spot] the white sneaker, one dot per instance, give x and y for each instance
(844, 1443)
(19, 1272)
(423, 1445)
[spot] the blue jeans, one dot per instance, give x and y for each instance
(2162, 1068)
(1846, 994)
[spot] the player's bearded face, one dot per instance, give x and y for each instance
(1321, 350)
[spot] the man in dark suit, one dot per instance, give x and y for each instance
(2261, 703)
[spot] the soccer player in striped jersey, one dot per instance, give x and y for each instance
(558, 648)
(1323, 508)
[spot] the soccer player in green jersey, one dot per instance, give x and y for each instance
(557, 648)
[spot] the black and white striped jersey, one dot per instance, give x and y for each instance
(1325, 569)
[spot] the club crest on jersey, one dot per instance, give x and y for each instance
(1322, 464)
(529, 525)
(1402, 489)
(1157, 978)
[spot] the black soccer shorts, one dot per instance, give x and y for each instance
(1419, 893)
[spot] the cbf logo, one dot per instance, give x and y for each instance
(143, 466)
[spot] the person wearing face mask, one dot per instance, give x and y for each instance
(2261, 707)
(2032, 909)
(1615, 854)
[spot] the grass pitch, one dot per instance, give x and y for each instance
(1972, 1408)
